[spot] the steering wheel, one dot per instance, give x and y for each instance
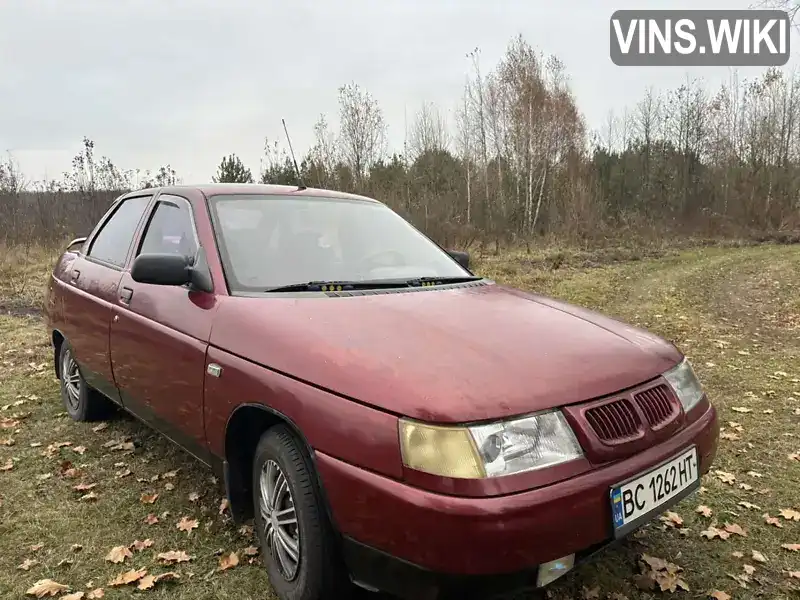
(372, 260)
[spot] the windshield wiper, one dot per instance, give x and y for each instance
(374, 284)
(418, 281)
(339, 286)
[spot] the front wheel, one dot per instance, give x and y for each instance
(298, 545)
(82, 402)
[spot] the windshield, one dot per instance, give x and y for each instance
(269, 241)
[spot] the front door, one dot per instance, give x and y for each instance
(159, 335)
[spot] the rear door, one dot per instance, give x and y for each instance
(92, 289)
(159, 334)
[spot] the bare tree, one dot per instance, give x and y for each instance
(428, 131)
(362, 129)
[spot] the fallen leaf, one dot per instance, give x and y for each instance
(170, 474)
(251, 551)
(122, 474)
(84, 487)
(36, 547)
(186, 524)
(790, 514)
(793, 574)
(75, 596)
(122, 447)
(741, 409)
(246, 531)
(749, 569)
(729, 435)
(758, 557)
(100, 427)
(791, 547)
(194, 497)
(118, 554)
(27, 564)
(224, 505)
(228, 561)
(724, 477)
(169, 487)
(735, 529)
(745, 486)
(704, 510)
(174, 556)
(151, 519)
(737, 554)
(148, 498)
(139, 546)
(7, 466)
(718, 595)
(96, 594)
(672, 519)
(46, 587)
(79, 449)
(713, 532)
(150, 581)
(590, 594)
(755, 474)
(7, 442)
(128, 577)
(90, 497)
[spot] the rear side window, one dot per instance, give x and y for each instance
(112, 242)
(170, 229)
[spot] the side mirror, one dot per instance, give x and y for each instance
(161, 269)
(173, 269)
(461, 258)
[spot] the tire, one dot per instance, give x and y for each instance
(307, 566)
(81, 401)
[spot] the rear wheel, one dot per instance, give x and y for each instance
(82, 402)
(298, 545)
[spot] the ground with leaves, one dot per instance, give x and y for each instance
(112, 510)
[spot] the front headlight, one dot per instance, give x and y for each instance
(488, 450)
(685, 384)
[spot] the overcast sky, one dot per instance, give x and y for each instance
(186, 81)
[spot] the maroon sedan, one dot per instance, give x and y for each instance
(386, 416)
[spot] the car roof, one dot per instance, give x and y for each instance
(212, 189)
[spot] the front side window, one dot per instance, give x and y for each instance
(112, 242)
(268, 241)
(170, 229)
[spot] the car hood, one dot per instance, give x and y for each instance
(444, 355)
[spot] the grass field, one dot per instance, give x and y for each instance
(734, 311)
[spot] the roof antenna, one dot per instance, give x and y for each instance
(302, 185)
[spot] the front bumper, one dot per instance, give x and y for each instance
(393, 530)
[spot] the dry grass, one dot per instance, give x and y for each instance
(734, 311)
(23, 275)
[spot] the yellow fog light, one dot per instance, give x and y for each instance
(550, 571)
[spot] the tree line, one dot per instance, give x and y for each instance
(516, 162)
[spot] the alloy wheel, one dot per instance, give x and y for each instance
(71, 377)
(281, 530)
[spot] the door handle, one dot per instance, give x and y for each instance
(125, 295)
(73, 277)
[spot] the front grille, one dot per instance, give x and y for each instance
(614, 422)
(656, 405)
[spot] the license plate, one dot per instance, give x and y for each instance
(640, 499)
